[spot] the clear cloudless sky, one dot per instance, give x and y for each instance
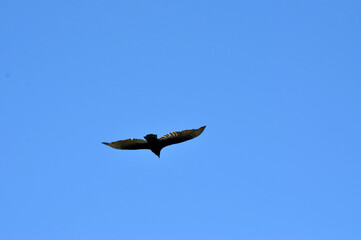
(278, 84)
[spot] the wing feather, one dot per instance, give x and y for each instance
(178, 137)
(130, 144)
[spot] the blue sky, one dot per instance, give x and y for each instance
(276, 82)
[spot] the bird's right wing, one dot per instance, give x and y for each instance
(178, 137)
(130, 144)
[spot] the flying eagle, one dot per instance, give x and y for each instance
(156, 144)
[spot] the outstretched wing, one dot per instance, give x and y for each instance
(178, 137)
(131, 144)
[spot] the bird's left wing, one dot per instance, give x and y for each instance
(178, 137)
(130, 144)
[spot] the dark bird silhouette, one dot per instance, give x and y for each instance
(156, 144)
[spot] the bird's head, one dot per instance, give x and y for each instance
(151, 137)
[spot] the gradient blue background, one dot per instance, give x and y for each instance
(278, 84)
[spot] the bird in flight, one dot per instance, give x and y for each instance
(156, 144)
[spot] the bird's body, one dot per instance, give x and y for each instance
(154, 143)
